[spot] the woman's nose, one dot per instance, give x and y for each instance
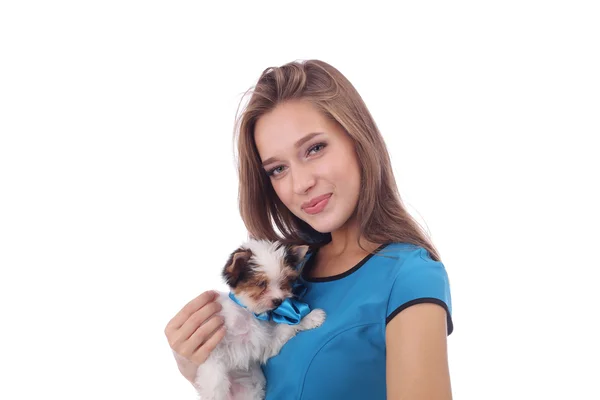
(303, 180)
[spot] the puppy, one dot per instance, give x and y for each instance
(262, 278)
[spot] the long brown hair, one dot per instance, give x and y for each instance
(381, 214)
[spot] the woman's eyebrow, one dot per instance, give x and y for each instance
(306, 138)
(299, 143)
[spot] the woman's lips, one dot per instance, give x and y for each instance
(317, 204)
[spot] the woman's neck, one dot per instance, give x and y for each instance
(345, 241)
(341, 253)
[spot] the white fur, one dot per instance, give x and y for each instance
(268, 255)
(232, 371)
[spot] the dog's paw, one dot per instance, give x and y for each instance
(314, 319)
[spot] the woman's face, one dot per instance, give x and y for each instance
(311, 162)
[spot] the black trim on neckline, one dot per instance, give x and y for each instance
(310, 262)
(424, 300)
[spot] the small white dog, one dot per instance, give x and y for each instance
(261, 314)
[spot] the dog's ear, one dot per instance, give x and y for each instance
(295, 254)
(236, 267)
(299, 250)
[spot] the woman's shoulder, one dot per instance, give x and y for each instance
(405, 252)
(410, 261)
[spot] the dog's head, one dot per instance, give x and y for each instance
(260, 273)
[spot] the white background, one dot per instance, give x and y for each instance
(118, 186)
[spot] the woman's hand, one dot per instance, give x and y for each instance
(194, 332)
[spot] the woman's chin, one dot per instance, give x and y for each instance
(325, 225)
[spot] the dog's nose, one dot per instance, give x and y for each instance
(277, 302)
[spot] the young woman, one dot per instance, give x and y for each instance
(314, 169)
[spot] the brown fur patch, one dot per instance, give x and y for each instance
(236, 266)
(254, 285)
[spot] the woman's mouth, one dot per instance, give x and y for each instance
(316, 205)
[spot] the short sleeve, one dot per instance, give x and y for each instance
(420, 279)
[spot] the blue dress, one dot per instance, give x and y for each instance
(345, 357)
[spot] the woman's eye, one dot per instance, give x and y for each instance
(275, 171)
(316, 148)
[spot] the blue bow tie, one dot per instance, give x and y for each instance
(290, 312)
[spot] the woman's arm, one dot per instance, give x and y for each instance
(417, 357)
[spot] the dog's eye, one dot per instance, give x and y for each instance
(262, 284)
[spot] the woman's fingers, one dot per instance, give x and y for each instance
(202, 353)
(190, 308)
(197, 319)
(201, 336)
(200, 323)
